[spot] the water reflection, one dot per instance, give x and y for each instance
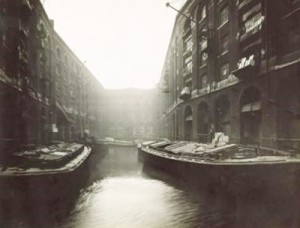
(119, 161)
(133, 202)
(126, 196)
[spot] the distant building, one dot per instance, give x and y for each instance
(233, 67)
(46, 91)
(128, 114)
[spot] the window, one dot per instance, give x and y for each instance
(223, 17)
(189, 44)
(188, 65)
(187, 30)
(224, 44)
(188, 59)
(203, 13)
(203, 44)
(58, 53)
(203, 58)
(203, 81)
(203, 38)
(224, 70)
(254, 22)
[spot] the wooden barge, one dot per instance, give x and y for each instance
(235, 169)
(44, 180)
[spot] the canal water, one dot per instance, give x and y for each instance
(123, 193)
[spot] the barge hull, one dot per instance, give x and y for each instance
(280, 180)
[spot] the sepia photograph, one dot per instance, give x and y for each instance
(149, 114)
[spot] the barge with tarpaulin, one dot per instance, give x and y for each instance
(44, 176)
(239, 170)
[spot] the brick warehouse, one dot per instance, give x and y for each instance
(46, 91)
(233, 67)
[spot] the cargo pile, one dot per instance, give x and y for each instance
(41, 157)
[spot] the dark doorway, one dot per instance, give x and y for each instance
(250, 116)
(203, 122)
(188, 123)
(222, 113)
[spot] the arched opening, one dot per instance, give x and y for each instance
(204, 122)
(188, 123)
(250, 116)
(222, 114)
(288, 109)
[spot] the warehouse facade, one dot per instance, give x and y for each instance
(46, 91)
(233, 67)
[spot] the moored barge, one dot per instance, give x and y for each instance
(44, 178)
(236, 169)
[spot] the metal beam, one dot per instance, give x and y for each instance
(179, 11)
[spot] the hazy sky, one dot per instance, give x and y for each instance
(123, 42)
